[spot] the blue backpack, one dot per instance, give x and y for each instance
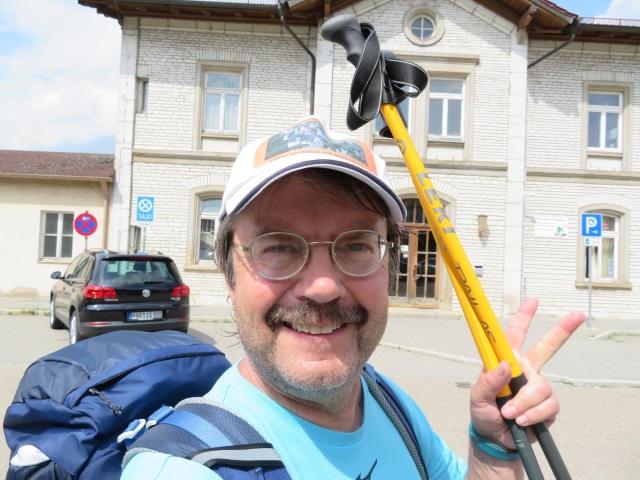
(85, 405)
(72, 404)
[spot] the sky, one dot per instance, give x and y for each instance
(59, 72)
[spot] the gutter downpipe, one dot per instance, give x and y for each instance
(573, 28)
(312, 93)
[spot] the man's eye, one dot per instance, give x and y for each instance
(278, 249)
(358, 247)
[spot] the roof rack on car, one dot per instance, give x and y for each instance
(103, 250)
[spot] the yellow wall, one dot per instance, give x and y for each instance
(21, 205)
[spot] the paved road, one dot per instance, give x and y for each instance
(596, 432)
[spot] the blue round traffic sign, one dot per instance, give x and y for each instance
(85, 224)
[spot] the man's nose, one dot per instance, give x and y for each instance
(320, 279)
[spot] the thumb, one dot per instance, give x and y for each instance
(491, 383)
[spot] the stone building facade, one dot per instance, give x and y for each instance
(517, 150)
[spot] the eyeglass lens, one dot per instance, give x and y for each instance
(281, 255)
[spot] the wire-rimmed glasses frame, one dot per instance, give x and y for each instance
(281, 255)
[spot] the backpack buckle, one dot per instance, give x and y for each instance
(133, 431)
(159, 415)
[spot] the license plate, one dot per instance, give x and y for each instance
(145, 315)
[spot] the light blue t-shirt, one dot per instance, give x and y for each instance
(374, 452)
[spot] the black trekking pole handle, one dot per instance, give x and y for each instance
(347, 32)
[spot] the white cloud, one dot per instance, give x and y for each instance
(628, 9)
(58, 74)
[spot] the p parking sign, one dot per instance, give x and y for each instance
(591, 225)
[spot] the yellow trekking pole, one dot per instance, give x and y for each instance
(379, 76)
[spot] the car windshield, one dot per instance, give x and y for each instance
(125, 271)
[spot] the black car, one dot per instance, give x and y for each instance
(102, 291)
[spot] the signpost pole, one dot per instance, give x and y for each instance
(144, 238)
(592, 233)
(590, 262)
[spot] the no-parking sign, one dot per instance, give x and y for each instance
(85, 224)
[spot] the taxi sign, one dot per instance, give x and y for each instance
(145, 206)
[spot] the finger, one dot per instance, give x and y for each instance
(545, 348)
(517, 330)
(534, 403)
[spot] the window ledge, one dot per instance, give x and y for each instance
(605, 153)
(379, 139)
(56, 261)
(232, 136)
(604, 285)
(445, 141)
(201, 268)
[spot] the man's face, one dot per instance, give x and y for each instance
(352, 311)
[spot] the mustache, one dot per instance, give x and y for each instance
(314, 312)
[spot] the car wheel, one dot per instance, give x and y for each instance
(74, 335)
(54, 323)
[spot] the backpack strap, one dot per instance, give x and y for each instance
(209, 433)
(388, 400)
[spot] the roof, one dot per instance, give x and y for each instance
(543, 19)
(57, 165)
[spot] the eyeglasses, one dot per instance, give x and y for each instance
(280, 255)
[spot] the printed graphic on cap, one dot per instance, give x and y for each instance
(310, 137)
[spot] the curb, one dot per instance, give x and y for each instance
(31, 312)
(576, 382)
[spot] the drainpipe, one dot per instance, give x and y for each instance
(105, 209)
(282, 9)
(573, 29)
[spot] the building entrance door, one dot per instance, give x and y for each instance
(417, 279)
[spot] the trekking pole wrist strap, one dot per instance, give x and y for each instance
(490, 448)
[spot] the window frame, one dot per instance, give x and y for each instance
(462, 67)
(196, 196)
(621, 252)
(602, 111)
(59, 235)
(211, 67)
(224, 94)
(423, 11)
(445, 137)
(206, 216)
(621, 156)
(143, 95)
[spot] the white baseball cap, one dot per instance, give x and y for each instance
(307, 144)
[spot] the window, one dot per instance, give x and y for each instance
(403, 108)
(607, 124)
(57, 235)
(423, 25)
(143, 95)
(221, 112)
(439, 121)
(602, 262)
(605, 121)
(80, 269)
(209, 210)
(608, 263)
(446, 109)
